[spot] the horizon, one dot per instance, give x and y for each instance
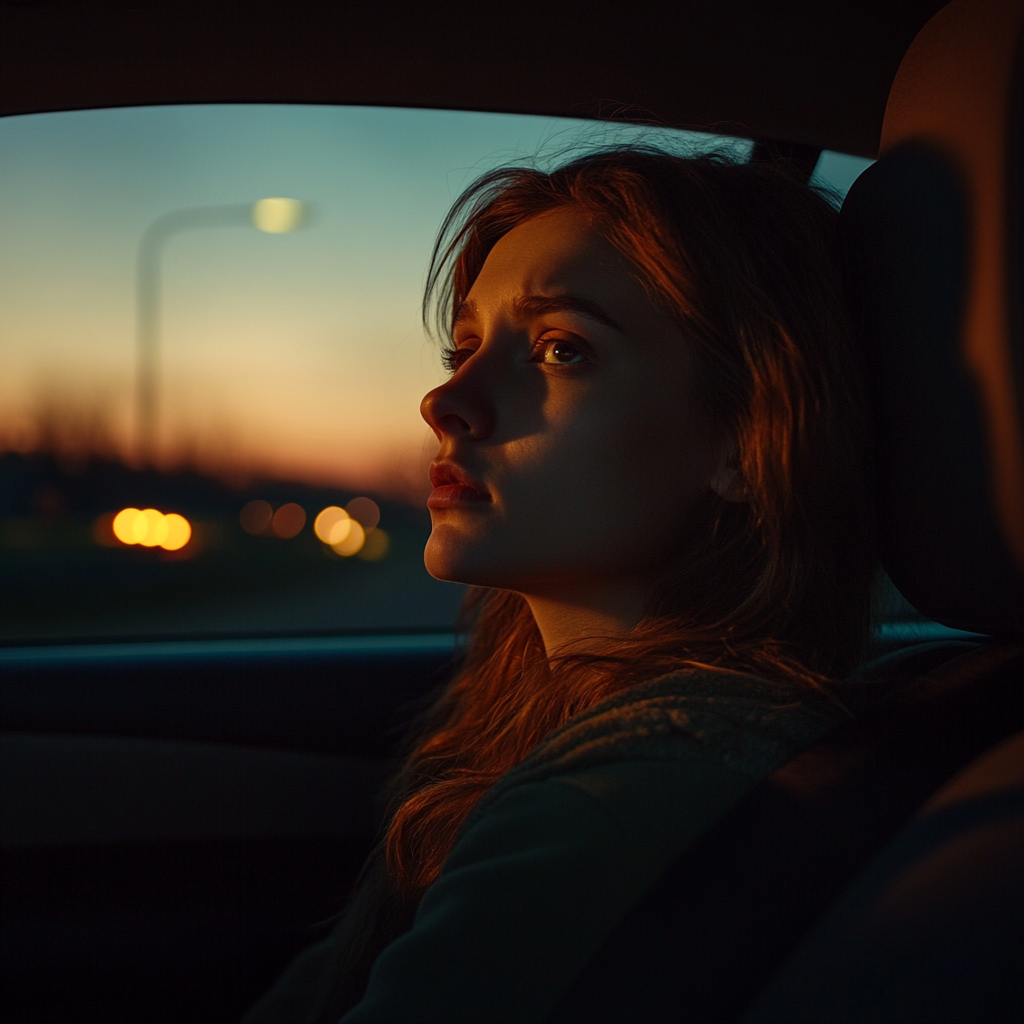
(297, 356)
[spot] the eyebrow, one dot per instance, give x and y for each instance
(538, 305)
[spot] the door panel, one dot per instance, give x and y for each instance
(181, 819)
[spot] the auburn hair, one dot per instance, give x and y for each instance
(745, 258)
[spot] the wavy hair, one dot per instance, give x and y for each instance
(745, 259)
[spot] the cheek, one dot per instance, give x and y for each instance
(622, 477)
(605, 486)
(644, 449)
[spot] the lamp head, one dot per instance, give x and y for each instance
(278, 216)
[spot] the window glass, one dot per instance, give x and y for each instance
(838, 171)
(212, 362)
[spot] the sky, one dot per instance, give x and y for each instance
(299, 354)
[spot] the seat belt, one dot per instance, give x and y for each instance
(728, 913)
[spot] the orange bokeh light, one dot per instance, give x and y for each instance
(365, 511)
(256, 517)
(179, 532)
(289, 520)
(332, 525)
(352, 541)
(150, 528)
(123, 525)
(376, 546)
(342, 533)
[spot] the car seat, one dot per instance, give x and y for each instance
(893, 921)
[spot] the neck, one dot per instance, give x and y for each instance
(575, 623)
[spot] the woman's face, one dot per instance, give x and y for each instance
(572, 449)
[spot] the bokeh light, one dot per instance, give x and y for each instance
(124, 525)
(179, 532)
(350, 544)
(278, 216)
(289, 520)
(332, 525)
(103, 530)
(256, 517)
(344, 534)
(376, 546)
(365, 511)
(150, 528)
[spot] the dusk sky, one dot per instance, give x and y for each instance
(300, 354)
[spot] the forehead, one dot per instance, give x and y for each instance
(560, 252)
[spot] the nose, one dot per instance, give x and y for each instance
(459, 408)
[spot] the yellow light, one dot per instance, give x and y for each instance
(150, 528)
(179, 532)
(355, 537)
(339, 531)
(331, 525)
(376, 546)
(124, 525)
(278, 216)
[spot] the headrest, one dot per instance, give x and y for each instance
(933, 241)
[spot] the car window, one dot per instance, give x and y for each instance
(838, 171)
(212, 361)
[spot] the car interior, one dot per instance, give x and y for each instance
(185, 808)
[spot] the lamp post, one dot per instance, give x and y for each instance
(276, 216)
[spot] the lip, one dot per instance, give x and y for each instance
(454, 487)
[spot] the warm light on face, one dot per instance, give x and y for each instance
(278, 216)
(150, 528)
(590, 460)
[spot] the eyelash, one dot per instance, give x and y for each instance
(455, 355)
(542, 346)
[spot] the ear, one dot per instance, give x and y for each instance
(727, 481)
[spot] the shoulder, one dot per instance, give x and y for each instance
(557, 852)
(534, 886)
(743, 723)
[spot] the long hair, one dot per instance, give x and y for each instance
(744, 258)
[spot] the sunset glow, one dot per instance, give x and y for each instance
(284, 353)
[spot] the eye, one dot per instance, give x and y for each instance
(453, 358)
(558, 353)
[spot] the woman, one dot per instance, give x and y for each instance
(652, 470)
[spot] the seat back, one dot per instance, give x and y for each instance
(932, 236)
(930, 930)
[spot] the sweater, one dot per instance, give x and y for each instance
(556, 853)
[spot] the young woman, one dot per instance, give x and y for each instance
(652, 469)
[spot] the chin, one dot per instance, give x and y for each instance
(453, 566)
(452, 558)
(445, 556)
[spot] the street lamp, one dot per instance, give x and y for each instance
(274, 215)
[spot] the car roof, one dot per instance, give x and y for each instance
(802, 71)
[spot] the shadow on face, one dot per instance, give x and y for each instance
(573, 448)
